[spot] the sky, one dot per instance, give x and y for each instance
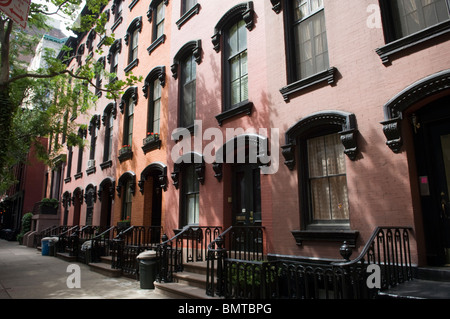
(64, 20)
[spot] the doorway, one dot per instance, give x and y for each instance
(432, 142)
(246, 195)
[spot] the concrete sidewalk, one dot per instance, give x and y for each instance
(26, 274)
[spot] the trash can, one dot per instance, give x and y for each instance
(52, 246)
(45, 248)
(147, 269)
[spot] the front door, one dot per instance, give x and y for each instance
(246, 195)
(433, 156)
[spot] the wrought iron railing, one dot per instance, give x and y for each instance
(102, 244)
(128, 244)
(237, 244)
(188, 245)
(52, 231)
(305, 278)
(65, 240)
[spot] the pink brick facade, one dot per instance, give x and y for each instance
(383, 188)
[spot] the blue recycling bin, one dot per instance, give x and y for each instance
(45, 248)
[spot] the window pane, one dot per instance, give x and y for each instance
(311, 46)
(327, 174)
(411, 16)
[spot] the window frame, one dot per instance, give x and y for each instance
(393, 46)
(317, 124)
(109, 115)
(132, 41)
(296, 85)
(245, 12)
(185, 214)
(305, 188)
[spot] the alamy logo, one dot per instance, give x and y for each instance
(374, 279)
(235, 139)
(374, 19)
(74, 279)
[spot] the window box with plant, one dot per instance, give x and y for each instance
(125, 153)
(48, 206)
(123, 224)
(151, 141)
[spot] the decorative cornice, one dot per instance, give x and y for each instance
(192, 47)
(244, 10)
(348, 133)
(158, 72)
(418, 91)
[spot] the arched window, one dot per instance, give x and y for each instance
(185, 63)
(230, 33)
(126, 189)
(132, 40)
(319, 143)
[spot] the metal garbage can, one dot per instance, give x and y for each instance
(147, 269)
(52, 246)
(45, 248)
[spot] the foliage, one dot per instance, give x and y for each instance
(26, 226)
(36, 104)
(50, 202)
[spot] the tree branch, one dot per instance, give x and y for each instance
(52, 75)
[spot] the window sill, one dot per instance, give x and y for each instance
(150, 145)
(116, 23)
(67, 180)
(188, 15)
(156, 44)
(131, 66)
(78, 175)
(125, 155)
(241, 108)
(90, 170)
(386, 52)
(334, 235)
(328, 76)
(106, 164)
(178, 134)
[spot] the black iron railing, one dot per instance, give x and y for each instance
(129, 243)
(65, 240)
(102, 244)
(188, 245)
(388, 251)
(233, 258)
(52, 231)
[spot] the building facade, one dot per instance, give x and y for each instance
(315, 120)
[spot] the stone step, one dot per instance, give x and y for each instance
(177, 290)
(105, 269)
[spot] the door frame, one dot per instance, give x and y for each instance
(426, 122)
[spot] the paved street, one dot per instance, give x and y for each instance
(26, 274)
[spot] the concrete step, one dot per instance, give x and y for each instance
(105, 269)
(177, 290)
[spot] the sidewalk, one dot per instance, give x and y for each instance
(26, 274)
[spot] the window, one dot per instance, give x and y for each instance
(190, 200)
(234, 25)
(128, 122)
(113, 58)
(158, 29)
(323, 139)
(411, 16)
(108, 122)
(117, 9)
(407, 23)
(310, 38)
(132, 40)
(93, 131)
(237, 83)
(327, 180)
(134, 46)
(154, 108)
(187, 5)
(126, 190)
(81, 134)
(127, 200)
(188, 91)
(90, 198)
(69, 164)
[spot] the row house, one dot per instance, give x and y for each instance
(320, 127)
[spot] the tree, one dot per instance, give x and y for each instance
(53, 91)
